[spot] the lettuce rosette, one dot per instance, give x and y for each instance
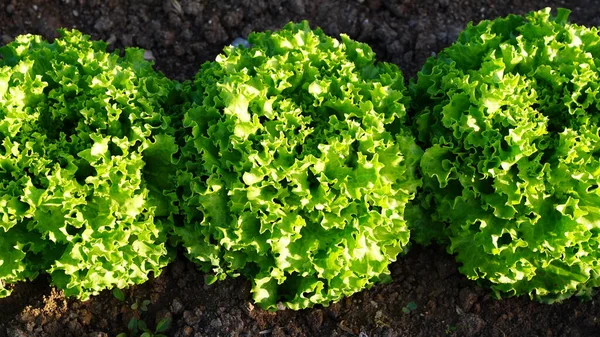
(296, 167)
(510, 115)
(85, 141)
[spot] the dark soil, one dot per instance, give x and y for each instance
(180, 35)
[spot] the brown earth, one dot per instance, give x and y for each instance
(183, 34)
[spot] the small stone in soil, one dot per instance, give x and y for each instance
(190, 318)
(148, 56)
(98, 334)
(238, 41)
(188, 331)
(176, 306)
(103, 24)
(216, 323)
(469, 325)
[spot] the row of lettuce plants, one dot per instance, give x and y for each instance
(303, 164)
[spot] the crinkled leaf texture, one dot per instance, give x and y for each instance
(509, 115)
(297, 167)
(80, 129)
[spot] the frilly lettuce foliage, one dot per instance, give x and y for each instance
(84, 142)
(510, 115)
(296, 167)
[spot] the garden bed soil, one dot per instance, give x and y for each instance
(428, 296)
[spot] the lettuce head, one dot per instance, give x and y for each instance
(296, 167)
(510, 115)
(84, 142)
